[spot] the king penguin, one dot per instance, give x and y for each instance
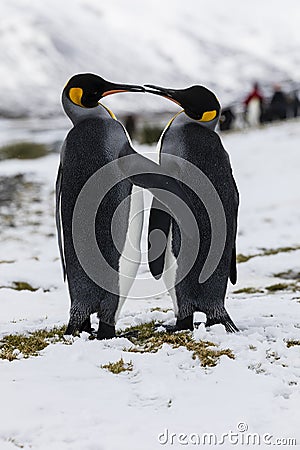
(191, 135)
(93, 142)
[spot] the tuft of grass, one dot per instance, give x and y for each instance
(30, 344)
(157, 308)
(252, 347)
(275, 251)
(248, 290)
(293, 287)
(288, 275)
(292, 343)
(266, 252)
(23, 150)
(118, 366)
(23, 286)
(148, 341)
(240, 258)
(278, 287)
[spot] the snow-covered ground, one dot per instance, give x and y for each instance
(224, 45)
(63, 399)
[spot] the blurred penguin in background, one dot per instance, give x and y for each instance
(278, 105)
(254, 106)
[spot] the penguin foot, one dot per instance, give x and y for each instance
(106, 331)
(225, 320)
(87, 326)
(180, 325)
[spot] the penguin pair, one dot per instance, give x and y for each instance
(93, 145)
(98, 139)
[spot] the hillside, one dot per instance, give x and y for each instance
(224, 45)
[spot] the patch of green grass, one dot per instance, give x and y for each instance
(288, 275)
(275, 251)
(149, 341)
(240, 258)
(23, 150)
(30, 344)
(266, 252)
(248, 290)
(118, 366)
(23, 286)
(292, 343)
(294, 287)
(277, 287)
(164, 310)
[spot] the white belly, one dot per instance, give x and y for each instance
(131, 254)
(253, 112)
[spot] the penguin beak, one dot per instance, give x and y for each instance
(114, 88)
(170, 94)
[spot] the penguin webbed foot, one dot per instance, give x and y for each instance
(73, 329)
(105, 331)
(185, 324)
(87, 326)
(225, 320)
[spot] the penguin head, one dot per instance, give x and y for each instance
(198, 102)
(87, 89)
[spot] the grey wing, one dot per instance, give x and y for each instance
(233, 268)
(58, 188)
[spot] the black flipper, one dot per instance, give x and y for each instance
(159, 221)
(58, 218)
(233, 263)
(233, 270)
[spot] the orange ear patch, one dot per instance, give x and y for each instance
(208, 116)
(75, 95)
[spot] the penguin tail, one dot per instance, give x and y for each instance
(221, 316)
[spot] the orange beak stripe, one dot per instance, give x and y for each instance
(115, 91)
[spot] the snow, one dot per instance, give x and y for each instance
(63, 399)
(224, 45)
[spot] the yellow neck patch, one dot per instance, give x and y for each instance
(208, 116)
(112, 115)
(75, 95)
(173, 118)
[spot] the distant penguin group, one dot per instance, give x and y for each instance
(98, 139)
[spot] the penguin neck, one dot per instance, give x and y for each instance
(77, 114)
